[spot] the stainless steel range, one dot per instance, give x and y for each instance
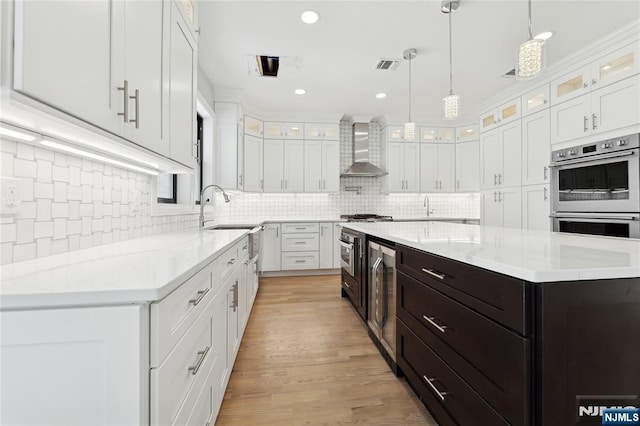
(596, 188)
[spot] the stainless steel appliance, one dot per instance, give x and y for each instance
(382, 297)
(255, 238)
(350, 247)
(600, 177)
(596, 188)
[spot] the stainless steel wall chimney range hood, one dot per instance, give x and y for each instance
(361, 166)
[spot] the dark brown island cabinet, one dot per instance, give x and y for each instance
(482, 348)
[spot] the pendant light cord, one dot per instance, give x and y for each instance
(450, 53)
(410, 60)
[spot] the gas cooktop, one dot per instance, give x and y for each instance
(366, 218)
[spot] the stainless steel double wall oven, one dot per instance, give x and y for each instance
(596, 188)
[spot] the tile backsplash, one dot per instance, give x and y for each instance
(69, 203)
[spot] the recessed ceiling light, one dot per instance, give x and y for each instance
(544, 36)
(381, 95)
(300, 91)
(310, 17)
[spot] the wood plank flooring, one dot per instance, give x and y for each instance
(306, 358)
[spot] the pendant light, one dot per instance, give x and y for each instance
(409, 126)
(530, 56)
(451, 102)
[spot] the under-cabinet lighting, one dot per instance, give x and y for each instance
(91, 155)
(16, 133)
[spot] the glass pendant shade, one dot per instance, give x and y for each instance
(451, 106)
(530, 59)
(410, 130)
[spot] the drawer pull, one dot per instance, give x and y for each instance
(345, 283)
(198, 299)
(302, 229)
(245, 247)
(201, 356)
(300, 242)
(232, 261)
(441, 395)
(431, 321)
(434, 273)
(301, 261)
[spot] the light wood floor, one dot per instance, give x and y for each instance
(306, 358)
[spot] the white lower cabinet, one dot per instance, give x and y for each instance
(292, 261)
(502, 208)
(326, 245)
(536, 207)
(270, 251)
(75, 366)
(337, 232)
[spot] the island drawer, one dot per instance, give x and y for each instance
(439, 386)
(300, 260)
(172, 316)
(501, 298)
(493, 360)
(294, 228)
(300, 242)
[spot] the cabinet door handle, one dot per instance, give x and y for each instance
(434, 273)
(594, 81)
(347, 285)
(544, 172)
(125, 113)
(137, 99)
(441, 395)
(495, 197)
(594, 119)
(199, 297)
(319, 184)
(586, 123)
(457, 184)
(201, 356)
(240, 179)
(261, 183)
(499, 196)
(231, 261)
(546, 197)
(430, 320)
(277, 231)
(585, 85)
(281, 184)
(495, 179)
(499, 178)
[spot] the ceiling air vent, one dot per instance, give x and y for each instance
(268, 65)
(510, 74)
(387, 64)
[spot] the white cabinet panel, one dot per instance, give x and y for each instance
(571, 85)
(326, 245)
(467, 133)
(511, 200)
(292, 261)
(337, 231)
(270, 252)
(428, 167)
(505, 113)
(279, 130)
(300, 242)
(321, 131)
(253, 163)
(395, 167)
(293, 166)
(446, 167)
(535, 100)
(395, 133)
(489, 159)
(491, 209)
(536, 208)
(76, 366)
(616, 66)
(511, 152)
(228, 173)
(331, 166)
(570, 120)
(412, 167)
(296, 228)
(313, 165)
(322, 166)
(273, 158)
(616, 106)
(536, 148)
(468, 166)
(252, 126)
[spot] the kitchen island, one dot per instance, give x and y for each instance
(508, 326)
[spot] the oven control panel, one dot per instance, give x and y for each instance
(612, 145)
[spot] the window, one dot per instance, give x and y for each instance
(168, 189)
(199, 157)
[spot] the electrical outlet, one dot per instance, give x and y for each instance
(10, 191)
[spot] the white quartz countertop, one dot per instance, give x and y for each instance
(135, 271)
(534, 256)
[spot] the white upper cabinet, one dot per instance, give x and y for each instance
(435, 134)
(273, 158)
(535, 100)
(505, 113)
(536, 208)
(253, 163)
(321, 131)
(283, 165)
(293, 166)
(321, 166)
(437, 167)
(278, 130)
(500, 156)
(396, 134)
(536, 148)
(467, 133)
(607, 70)
(253, 126)
(182, 91)
(468, 166)
(402, 162)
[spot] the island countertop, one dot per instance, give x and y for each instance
(134, 271)
(535, 256)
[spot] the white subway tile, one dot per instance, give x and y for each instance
(86, 210)
(43, 247)
(74, 242)
(43, 190)
(74, 176)
(97, 194)
(26, 189)
(107, 224)
(27, 210)
(8, 232)
(44, 210)
(97, 210)
(97, 225)
(108, 170)
(86, 225)
(75, 162)
(60, 192)
(60, 159)
(87, 166)
(74, 210)
(97, 238)
(22, 252)
(87, 192)
(97, 180)
(86, 178)
(60, 174)
(98, 167)
(107, 238)
(60, 210)
(86, 241)
(19, 168)
(59, 229)
(24, 231)
(74, 193)
(74, 227)
(43, 229)
(9, 147)
(43, 154)
(59, 246)
(6, 253)
(25, 151)
(44, 171)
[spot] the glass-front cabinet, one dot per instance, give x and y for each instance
(505, 113)
(570, 85)
(436, 134)
(616, 66)
(467, 133)
(535, 100)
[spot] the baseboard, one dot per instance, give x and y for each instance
(301, 273)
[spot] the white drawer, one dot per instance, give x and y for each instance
(288, 228)
(243, 248)
(225, 264)
(201, 403)
(300, 260)
(300, 242)
(172, 316)
(173, 379)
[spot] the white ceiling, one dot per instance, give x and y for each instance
(334, 59)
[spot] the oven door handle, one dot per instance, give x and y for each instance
(592, 158)
(593, 216)
(346, 244)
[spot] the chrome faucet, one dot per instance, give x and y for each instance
(426, 205)
(203, 201)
